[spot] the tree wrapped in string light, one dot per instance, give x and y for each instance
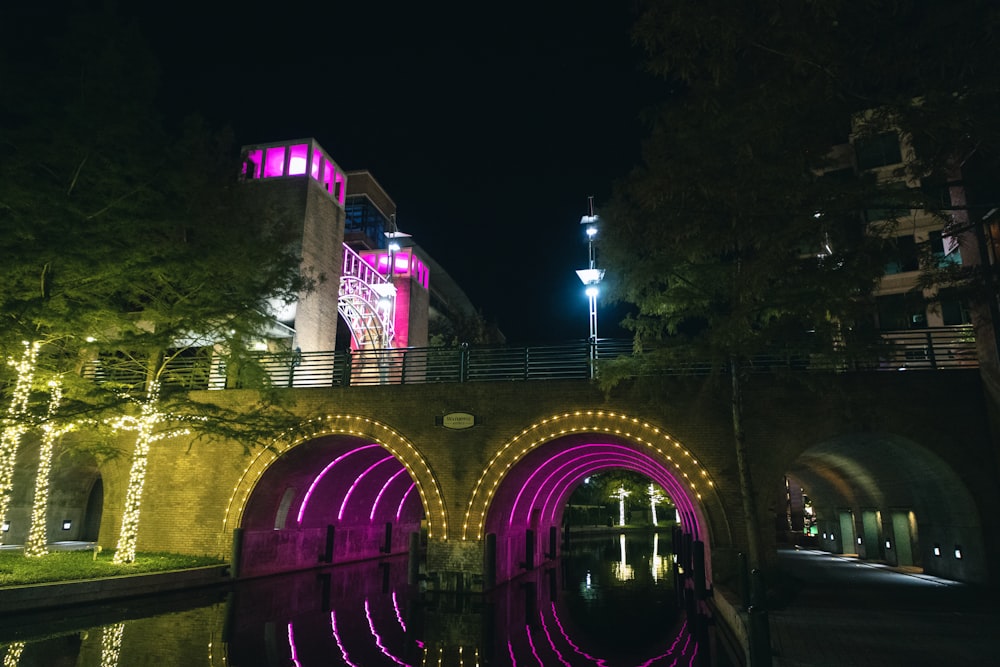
(15, 423)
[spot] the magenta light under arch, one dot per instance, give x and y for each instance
(388, 482)
(322, 474)
(358, 480)
(599, 456)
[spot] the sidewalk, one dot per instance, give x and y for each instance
(841, 612)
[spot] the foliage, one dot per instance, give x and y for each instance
(127, 244)
(16, 570)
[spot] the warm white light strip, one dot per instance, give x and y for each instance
(15, 423)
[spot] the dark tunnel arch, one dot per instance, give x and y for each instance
(875, 484)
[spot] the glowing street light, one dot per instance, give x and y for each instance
(591, 278)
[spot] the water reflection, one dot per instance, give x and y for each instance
(610, 601)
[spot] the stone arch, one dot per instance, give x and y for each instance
(888, 485)
(363, 430)
(549, 458)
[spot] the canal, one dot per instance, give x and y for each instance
(610, 600)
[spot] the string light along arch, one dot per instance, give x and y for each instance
(366, 428)
(692, 477)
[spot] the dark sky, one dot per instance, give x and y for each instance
(489, 124)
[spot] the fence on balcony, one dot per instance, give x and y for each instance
(925, 349)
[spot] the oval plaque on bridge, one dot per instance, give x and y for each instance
(458, 420)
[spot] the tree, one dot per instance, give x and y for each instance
(742, 233)
(128, 248)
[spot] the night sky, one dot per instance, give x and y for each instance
(488, 124)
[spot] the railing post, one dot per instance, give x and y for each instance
(931, 356)
(345, 372)
(463, 362)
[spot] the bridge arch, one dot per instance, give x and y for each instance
(343, 467)
(887, 498)
(529, 479)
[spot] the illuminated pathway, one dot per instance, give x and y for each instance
(841, 611)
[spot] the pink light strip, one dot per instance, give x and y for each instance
(561, 488)
(291, 646)
(654, 473)
(371, 517)
(336, 638)
(548, 635)
(316, 480)
(562, 631)
(354, 485)
(674, 489)
(531, 643)
(378, 638)
(399, 617)
(402, 501)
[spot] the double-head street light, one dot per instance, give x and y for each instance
(591, 276)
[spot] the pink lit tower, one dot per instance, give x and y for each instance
(375, 284)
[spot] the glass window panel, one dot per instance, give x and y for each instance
(274, 162)
(298, 154)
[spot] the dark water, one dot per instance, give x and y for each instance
(610, 601)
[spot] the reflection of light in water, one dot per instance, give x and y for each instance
(623, 571)
(395, 605)
(336, 638)
(552, 643)
(658, 565)
(291, 646)
(378, 637)
(587, 590)
(13, 655)
(111, 644)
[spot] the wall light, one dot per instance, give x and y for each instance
(888, 545)
(6, 526)
(958, 552)
(859, 541)
(937, 550)
(67, 524)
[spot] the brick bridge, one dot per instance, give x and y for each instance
(900, 467)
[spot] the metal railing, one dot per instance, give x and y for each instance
(926, 349)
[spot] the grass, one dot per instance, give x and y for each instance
(18, 570)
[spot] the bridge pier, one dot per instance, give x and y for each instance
(456, 565)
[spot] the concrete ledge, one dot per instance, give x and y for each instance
(732, 620)
(35, 597)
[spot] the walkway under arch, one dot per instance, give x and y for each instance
(887, 498)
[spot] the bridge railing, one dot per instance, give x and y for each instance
(925, 349)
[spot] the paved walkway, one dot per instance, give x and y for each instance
(835, 611)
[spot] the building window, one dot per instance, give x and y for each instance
(903, 257)
(878, 150)
(937, 252)
(898, 312)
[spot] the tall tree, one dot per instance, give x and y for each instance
(743, 230)
(127, 247)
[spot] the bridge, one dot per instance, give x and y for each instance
(470, 461)
(467, 456)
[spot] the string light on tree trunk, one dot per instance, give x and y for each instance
(144, 425)
(621, 494)
(15, 423)
(37, 534)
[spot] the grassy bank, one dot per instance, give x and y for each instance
(17, 570)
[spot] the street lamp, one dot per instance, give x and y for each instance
(591, 278)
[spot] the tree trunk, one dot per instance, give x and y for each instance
(747, 494)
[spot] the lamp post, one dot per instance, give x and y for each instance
(591, 278)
